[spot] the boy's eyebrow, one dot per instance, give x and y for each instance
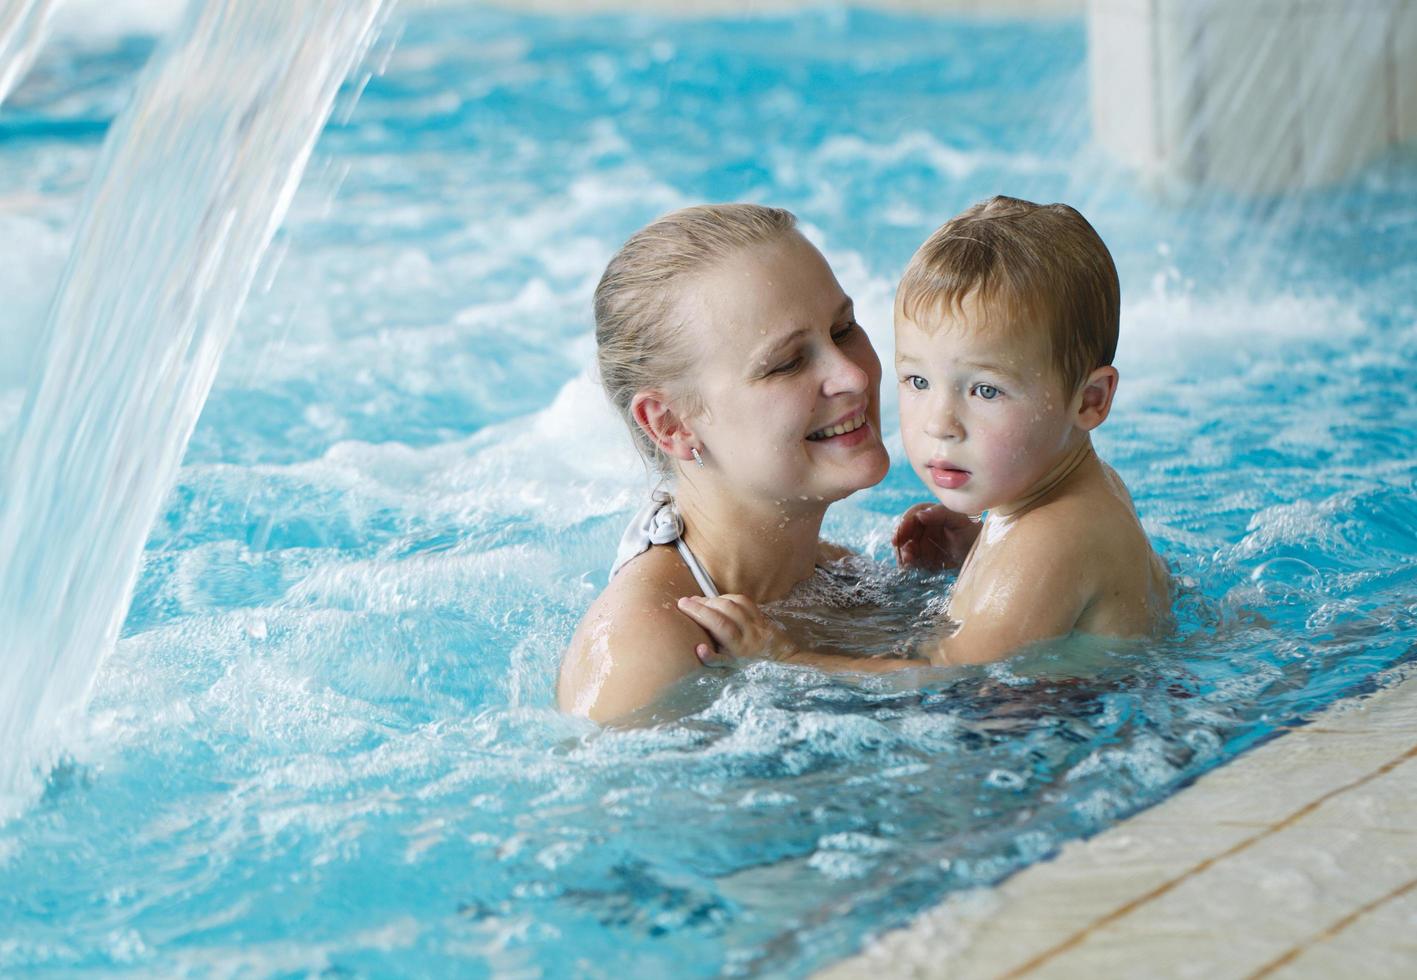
(904, 357)
(992, 366)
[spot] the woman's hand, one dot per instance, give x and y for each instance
(931, 536)
(738, 629)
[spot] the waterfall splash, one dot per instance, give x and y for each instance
(192, 183)
(21, 33)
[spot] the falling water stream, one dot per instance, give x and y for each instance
(21, 33)
(192, 183)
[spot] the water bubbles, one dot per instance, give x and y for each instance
(1005, 779)
(1278, 592)
(1279, 574)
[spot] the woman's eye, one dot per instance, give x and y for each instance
(917, 382)
(987, 392)
(787, 367)
(842, 333)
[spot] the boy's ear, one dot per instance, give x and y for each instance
(654, 414)
(1095, 398)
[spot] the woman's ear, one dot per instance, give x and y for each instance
(1095, 398)
(654, 414)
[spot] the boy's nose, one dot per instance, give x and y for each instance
(943, 422)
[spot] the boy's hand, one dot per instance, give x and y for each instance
(738, 628)
(932, 536)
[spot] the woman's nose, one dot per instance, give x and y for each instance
(844, 375)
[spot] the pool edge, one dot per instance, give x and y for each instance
(1301, 855)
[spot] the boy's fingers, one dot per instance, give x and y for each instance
(909, 524)
(700, 611)
(939, 515)
(709, 658)
(741, 604)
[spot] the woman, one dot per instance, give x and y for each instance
(732, 352)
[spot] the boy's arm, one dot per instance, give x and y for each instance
(740, 631)
(1036, 586)
(932, 536)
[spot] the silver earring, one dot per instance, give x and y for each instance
(697, 458)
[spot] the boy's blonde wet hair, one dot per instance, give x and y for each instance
(641, 343)
(1040, 265)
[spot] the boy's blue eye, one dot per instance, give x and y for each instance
(987, 392)
(917, 382)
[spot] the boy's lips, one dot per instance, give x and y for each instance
(945, 475)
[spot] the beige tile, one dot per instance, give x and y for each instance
(1176, 954)
(1277, 780)
(1387, 802)
(1278, 893)
(1380, 944)
(1051, 902)
(1392, 709)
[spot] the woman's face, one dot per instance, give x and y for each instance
(788, 382)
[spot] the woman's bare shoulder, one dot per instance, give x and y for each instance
(633, 642)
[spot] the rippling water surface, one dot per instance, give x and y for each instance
(326, 739)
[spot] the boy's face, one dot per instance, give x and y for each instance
(983, 413)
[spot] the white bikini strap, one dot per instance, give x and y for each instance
(658, 522)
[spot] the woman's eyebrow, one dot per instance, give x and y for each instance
(764, 353)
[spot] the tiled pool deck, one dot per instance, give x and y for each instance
(1299, 859)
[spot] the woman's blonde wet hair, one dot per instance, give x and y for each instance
(641, 343)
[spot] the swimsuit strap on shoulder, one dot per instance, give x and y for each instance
(658, 522)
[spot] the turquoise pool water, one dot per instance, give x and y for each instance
(326, 741)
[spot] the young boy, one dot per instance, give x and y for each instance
(1006, 325)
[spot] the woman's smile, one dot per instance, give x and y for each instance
(845, 426)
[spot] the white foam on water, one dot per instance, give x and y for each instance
(1167, 331)
(919, 146)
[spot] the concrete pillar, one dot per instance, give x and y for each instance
(1255, 96)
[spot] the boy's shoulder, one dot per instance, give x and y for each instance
(1085, 531)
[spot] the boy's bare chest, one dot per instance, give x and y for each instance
(975, 586)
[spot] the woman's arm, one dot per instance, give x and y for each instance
(633, 644)
(739, 629)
